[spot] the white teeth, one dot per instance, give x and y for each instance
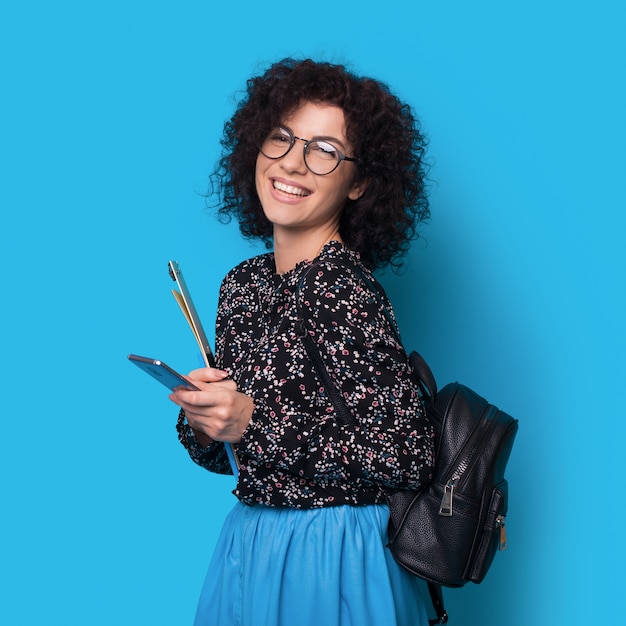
(295, 191)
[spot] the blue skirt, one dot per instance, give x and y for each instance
(330, 566)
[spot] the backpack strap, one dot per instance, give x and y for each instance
(436, 597)
(424, 376)
(344, 414)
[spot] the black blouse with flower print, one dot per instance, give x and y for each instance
(293, 452)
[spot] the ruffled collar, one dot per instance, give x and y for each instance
(331, 250)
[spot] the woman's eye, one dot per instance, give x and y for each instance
(323, 149)
(279, 138)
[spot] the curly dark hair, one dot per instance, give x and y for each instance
(384, 134)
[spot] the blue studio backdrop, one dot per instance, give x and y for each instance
(111, 114)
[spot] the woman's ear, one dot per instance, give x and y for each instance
(358, 189)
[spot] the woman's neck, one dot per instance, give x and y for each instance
(290, 249)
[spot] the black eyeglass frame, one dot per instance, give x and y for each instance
(307, 142)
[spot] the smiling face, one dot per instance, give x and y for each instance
(294, 199)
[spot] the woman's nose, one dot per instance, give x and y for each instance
(293, 161)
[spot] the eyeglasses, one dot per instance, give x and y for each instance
(320, 156)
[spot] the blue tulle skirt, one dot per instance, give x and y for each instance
(319, 567)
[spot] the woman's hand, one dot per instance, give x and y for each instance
(218, 411)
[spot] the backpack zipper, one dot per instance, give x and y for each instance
(502, 526)
(467, 454)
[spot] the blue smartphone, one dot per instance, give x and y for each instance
(161, 372)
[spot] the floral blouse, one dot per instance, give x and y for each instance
(294, 453)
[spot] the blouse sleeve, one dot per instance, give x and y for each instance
(392, 442)
(212, 457)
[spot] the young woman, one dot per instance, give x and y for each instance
(327, 168)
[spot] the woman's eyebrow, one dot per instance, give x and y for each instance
(317, 137)
(330, 138)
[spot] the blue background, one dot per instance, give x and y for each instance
(111, 116)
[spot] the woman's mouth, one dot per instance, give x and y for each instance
(290, 189)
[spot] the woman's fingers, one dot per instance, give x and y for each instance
(207, 375)
(218, 409)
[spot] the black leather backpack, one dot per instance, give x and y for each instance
(449, 533)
